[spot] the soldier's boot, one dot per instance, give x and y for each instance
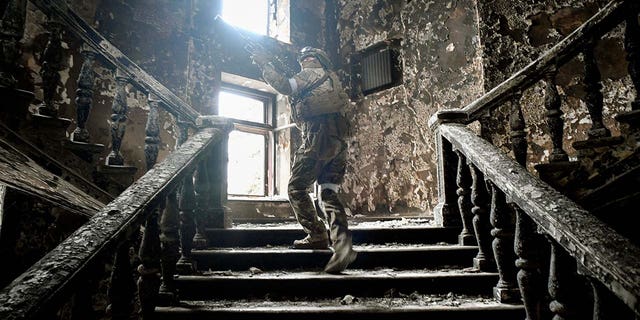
(312, 242)
(343, 254)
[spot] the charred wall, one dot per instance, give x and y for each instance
(391, 168)
(515, 33)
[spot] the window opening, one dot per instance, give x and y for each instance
(251, 145)
(251, 15)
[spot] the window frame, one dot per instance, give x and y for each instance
(266, 129)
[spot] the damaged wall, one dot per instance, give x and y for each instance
(392, 167)
(515, 33)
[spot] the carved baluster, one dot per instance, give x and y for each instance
(593, 97)
(122, 286)
(11, 32)
(503, 224)
(463, 180)
(518, 134)
(149, 269)
(186, 265)
(554, 118)
(84, 96)
(479, 197)
(561, 289)
(170, 246)
(52, 62)
(152, 130)
(607, 305)
(118, 120)
(527, 247)
(202, 190)
(632, 45)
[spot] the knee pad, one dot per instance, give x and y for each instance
(329, 186)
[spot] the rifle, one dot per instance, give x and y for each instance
(253, 47)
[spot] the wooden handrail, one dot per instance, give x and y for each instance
(54, 275)
(606, 256)
(599, 24)
(112, 55)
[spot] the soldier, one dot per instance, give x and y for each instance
(318, 101)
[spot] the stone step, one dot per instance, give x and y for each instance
(282, 285)
(256, 236)
(432, 307)
(369, 257)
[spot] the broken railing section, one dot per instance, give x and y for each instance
(515, 212)
(161, 201)
(520, 221)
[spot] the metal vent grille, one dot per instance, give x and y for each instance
(376, 70)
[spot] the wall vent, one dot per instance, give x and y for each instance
(377, 68)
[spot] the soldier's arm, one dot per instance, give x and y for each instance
(277, 80)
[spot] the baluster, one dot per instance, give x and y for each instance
(52, 62)
(527, 248)
(562, 268)
(122, 286)
(152, 130)
(503, 231)
(118, 120)
(84, 95)
(593, 97)
(479, 197)
(607, 305)
(463, 180)
(186, 265)
(149, 269)
(202, 202)
(518, 134)
(632, 45)
(554, 118)
(169, 240)
(12, 30)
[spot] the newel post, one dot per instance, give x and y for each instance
(446, 212)
(217, 170)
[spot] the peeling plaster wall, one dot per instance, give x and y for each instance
(392, 167)
(515, 33)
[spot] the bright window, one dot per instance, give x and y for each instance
(249, 145)
(251, 15)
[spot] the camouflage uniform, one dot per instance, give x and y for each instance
(321, 157)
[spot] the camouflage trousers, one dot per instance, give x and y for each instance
(321, 158)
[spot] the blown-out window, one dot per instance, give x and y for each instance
(250, 145)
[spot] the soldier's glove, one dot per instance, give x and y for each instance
(260, 58)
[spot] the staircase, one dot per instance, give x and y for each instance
(405, 269)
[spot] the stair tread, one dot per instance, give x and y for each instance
(359, 248)
(347, 274)
(405, 303)
(355, 224)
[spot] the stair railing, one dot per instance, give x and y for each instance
(174, 201)
(525, 229)
(41, 289)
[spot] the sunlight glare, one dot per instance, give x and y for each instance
(250, 15)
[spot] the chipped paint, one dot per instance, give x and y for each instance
(391, 168)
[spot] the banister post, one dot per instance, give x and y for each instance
(484, 260)
(527, 246)
(186, 201)
(217, 170)
(446, 212)
(632, 46)
(463, 180)
(503, 223)
(84, 95)
(593, 99)
(52, 62)
(122, 286)
(518, 132)
(554, 117)
(11, 32)
(118, 121)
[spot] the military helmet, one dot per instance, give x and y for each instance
(319, 54)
